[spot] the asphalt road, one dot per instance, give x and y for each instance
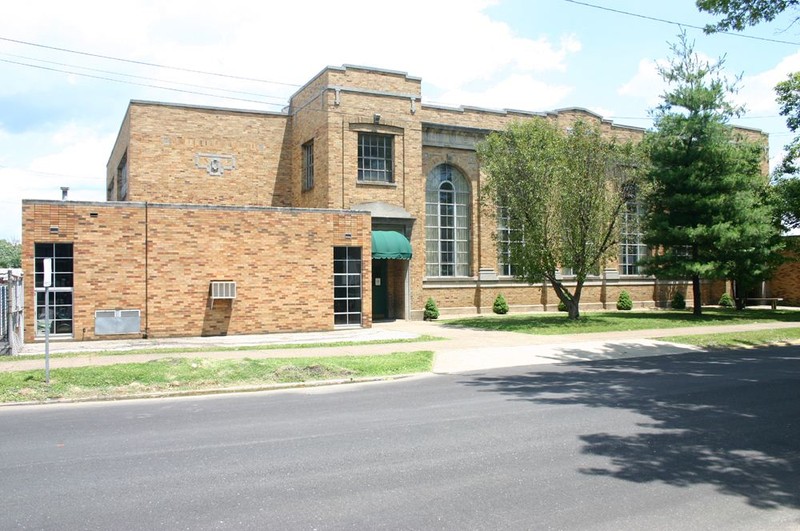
(696, 441)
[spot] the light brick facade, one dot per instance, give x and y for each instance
(199, 194)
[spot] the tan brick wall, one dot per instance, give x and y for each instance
(281, 260)
(785, 283)
(165, 140)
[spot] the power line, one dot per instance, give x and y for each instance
(681, 24)
(144, 63)
(282, 100)
(173, 89)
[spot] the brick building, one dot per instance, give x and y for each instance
(356, 203)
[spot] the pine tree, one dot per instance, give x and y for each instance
(707, 213)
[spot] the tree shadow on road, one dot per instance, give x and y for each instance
(728, 419)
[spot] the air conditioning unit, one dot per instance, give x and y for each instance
(222, 289)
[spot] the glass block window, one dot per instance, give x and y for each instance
(308, 165)
(347, 286)
(60, 292)
(447, 224)
(631, 247)
(375, 159)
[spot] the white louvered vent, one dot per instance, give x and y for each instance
(222, 289)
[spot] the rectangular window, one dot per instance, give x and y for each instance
(347, 286)
(122, 178)
(60, 292)
(506, 235)
(308, 165)
(631, 247)
(375, 160)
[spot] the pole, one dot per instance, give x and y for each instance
(47, 335)
(47, 281)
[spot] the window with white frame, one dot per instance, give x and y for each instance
(631, 246)
(506, 235)
(447, 234)
(347, 286)
(375, 158)
(308, 165)
(61, 289)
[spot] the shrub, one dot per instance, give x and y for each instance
(678, 301)
(561, 306)
(431, 310)
(500, 305)
(726, 301)
(624, 302)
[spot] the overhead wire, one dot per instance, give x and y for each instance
(145, 63)
(207, 87)
(681, 24)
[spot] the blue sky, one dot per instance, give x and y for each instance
(57, 126)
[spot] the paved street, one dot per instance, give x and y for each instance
(692, 441)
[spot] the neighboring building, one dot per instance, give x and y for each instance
(356, 204)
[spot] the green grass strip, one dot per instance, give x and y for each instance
(200, 350)
(181, 374)
(591, 322)
(756, 338)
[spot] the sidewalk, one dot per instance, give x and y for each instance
(462, 349)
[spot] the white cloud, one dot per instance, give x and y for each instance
(758, 90)
(517, 91)
(73, 156)
(646, 85)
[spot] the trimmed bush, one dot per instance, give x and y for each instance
(500, 305)
(561, 306)
(624, 302)
(678, 301)
(431, 310)
(726, 301)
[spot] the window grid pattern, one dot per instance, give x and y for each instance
(505, 236)
(308, 165)
(631, 247)
(347, 286)
(60, 293)
(375, 159)
(447, 237)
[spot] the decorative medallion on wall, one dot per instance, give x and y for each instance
(215, 164)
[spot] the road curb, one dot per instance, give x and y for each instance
(216, 390)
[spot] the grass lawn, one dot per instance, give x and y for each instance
(756, 338)
(174, 374)
(557, 323)
(240, 348)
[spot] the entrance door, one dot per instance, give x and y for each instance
(380, 292)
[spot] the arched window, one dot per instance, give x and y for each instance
(446, 223)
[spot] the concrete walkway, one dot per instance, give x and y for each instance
(462, 349)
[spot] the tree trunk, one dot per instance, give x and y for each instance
(573, 309)
(738, 296)
(697, 306)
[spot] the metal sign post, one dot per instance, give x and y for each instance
(48, 281)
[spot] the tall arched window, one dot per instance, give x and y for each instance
(446, 223)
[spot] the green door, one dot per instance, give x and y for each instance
(380, 293)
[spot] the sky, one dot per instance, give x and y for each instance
(69, 69)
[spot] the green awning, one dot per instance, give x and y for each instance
(390, 244)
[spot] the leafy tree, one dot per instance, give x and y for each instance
(707, 211)
(564, 192)
(10, 254)
(738, 14)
